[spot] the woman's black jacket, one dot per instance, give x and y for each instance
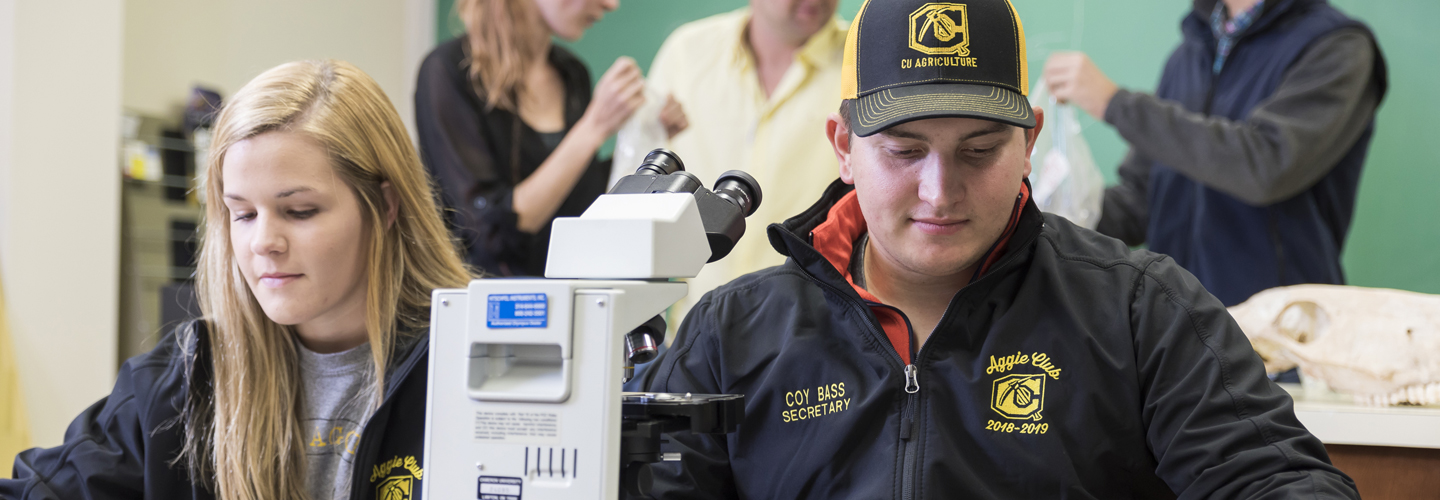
(123, 445)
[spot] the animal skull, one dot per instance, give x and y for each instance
(1381, 346)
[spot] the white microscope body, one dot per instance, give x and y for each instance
(525, 374)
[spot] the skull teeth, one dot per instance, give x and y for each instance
(1419, 394)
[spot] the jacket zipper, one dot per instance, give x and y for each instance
(1210, 90)
(909, 426)
(912, 389)
(909, 433)
(909, 429)
(1210, 95)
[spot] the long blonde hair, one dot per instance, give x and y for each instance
(505, 38)
(245, 433)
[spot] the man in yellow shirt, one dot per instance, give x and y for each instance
(757, 85)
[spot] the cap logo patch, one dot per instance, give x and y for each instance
(940, 29)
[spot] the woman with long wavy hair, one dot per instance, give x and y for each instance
(510, 129)
(305, 377)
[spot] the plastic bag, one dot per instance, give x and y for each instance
(1063, 176)
(641, 134)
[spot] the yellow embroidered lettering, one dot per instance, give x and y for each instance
(797, 398)
(413, 466)
(1004, 364)
(384, 467)
(1042, 361)
(832, 403)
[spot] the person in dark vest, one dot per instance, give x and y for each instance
(1244, 164)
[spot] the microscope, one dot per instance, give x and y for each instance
(525, 398)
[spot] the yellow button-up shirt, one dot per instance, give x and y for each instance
(780, 140)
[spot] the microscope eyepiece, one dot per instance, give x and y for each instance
(661, 172)
(660, 161)
(689, 185)
(740, 188)
(722, 210)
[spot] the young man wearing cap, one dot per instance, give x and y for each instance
(933, 335)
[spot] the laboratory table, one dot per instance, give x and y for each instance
(1391, 452)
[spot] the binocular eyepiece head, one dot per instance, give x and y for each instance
(722, 210)
(734, 186)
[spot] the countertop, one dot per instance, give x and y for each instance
(1336, 419)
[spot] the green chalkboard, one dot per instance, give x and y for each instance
(1395, 236)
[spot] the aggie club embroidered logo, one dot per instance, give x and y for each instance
(396, 478)
(1020, 396)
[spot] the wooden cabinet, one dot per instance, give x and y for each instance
(1391, 452)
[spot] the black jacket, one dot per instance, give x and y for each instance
(121, 447)
(477, 156)
(1072, 368)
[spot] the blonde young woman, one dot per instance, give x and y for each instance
(510, 129)
(306, 376)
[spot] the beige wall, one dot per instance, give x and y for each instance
(171, 45)
(59, 201)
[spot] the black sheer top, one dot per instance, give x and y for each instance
(477, 157)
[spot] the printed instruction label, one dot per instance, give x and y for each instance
(499, 488)
(517, 310)
(517, 426)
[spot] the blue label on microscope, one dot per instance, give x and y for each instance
(517, 310)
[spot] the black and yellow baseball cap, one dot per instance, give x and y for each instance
(911, 59)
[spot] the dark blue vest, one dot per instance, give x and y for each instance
(1236, 249)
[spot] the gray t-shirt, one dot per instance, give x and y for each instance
(334, 407)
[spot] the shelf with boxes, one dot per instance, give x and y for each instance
(160, 215)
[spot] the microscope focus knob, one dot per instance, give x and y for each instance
(637, 480)
(642, 344)
(640, 347)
